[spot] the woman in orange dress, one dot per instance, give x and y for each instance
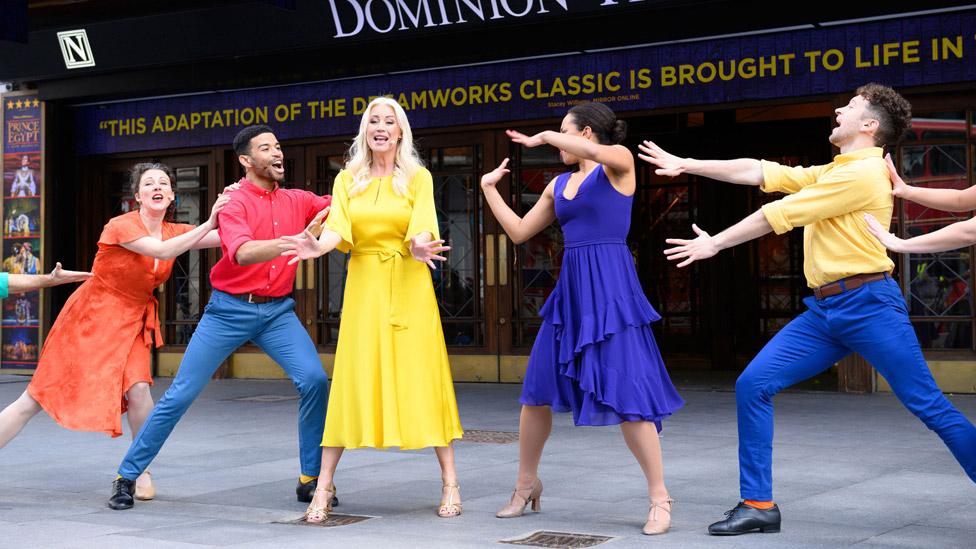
(95, 364)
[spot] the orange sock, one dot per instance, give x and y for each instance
(305, 479)
(761, 505)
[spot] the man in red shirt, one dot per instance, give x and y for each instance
(251, 301)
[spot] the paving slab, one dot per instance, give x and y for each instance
(849, 470)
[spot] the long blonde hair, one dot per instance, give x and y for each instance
(360, 157)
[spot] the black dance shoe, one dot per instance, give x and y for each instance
(122, 490)
(307, 490)
(743, 519)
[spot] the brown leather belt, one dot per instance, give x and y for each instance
(850, 283)
(252, 298)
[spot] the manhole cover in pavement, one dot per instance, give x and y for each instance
(559, 539)
(265, 398)
(489, 437)
(334, 519)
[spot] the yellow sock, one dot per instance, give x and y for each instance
(761, 505)
(305, 479)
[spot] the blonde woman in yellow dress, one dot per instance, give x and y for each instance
(392, 384)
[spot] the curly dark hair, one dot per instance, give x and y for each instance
(135, 176)
(242, 141)
(893, 112)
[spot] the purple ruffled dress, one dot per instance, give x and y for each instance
(595, 354)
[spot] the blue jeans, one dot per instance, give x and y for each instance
(872, 321)
(227, 324)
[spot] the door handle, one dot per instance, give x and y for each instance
(489, 260)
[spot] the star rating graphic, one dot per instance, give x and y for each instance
(22, 104)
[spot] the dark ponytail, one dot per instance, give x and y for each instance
(601, 120)
(619, 132)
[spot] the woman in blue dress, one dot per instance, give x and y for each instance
(595, 354)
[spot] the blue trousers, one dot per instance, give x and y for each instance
(872, 321)
(228, 323)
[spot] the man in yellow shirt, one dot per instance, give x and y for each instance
(856, 306)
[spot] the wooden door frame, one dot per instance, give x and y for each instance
(309, 277)
(487, 140)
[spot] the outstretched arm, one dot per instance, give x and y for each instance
(615, 157)
(706, 246)
(947, 200)
(314, 241)
(519, 229)
(258, 251)
(170, 248)
(306, 246)
(209, 240)
(741, 171)
(957, 235)
(18, 283)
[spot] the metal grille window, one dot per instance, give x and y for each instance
(187, 284)
(457, 284)
(937, 153)
(663, 209)
(539, 258)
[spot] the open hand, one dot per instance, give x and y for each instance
(231, 188)
(315, 226)
(667, 164)
(887, 239)
(522, 139)
(428, 252)
(898, 185)
(301, 246)
(222, 200)
(492, 178)
(61, 276)
(702, 247)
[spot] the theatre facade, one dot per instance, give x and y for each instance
(174, 84)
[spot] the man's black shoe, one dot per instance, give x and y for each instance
(743, 519)
(122, 490)
(307, 490)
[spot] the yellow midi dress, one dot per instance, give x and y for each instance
(392, 383)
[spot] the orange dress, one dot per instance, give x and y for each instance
(99, 346)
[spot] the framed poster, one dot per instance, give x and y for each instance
(21, 227)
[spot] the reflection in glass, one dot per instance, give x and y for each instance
(937, 125)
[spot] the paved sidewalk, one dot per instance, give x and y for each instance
(849, 470)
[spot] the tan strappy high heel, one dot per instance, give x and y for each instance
(657, 524)
(316, 515)
(145, 493)
(449, 508)
(521, 498)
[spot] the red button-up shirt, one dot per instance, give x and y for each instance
(256, 214)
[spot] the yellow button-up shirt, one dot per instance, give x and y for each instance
(829, 202)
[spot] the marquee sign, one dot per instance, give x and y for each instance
(918, 51)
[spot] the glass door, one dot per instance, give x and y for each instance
(322, 280)
(528, 271)
(183, 297)
(463, 290)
